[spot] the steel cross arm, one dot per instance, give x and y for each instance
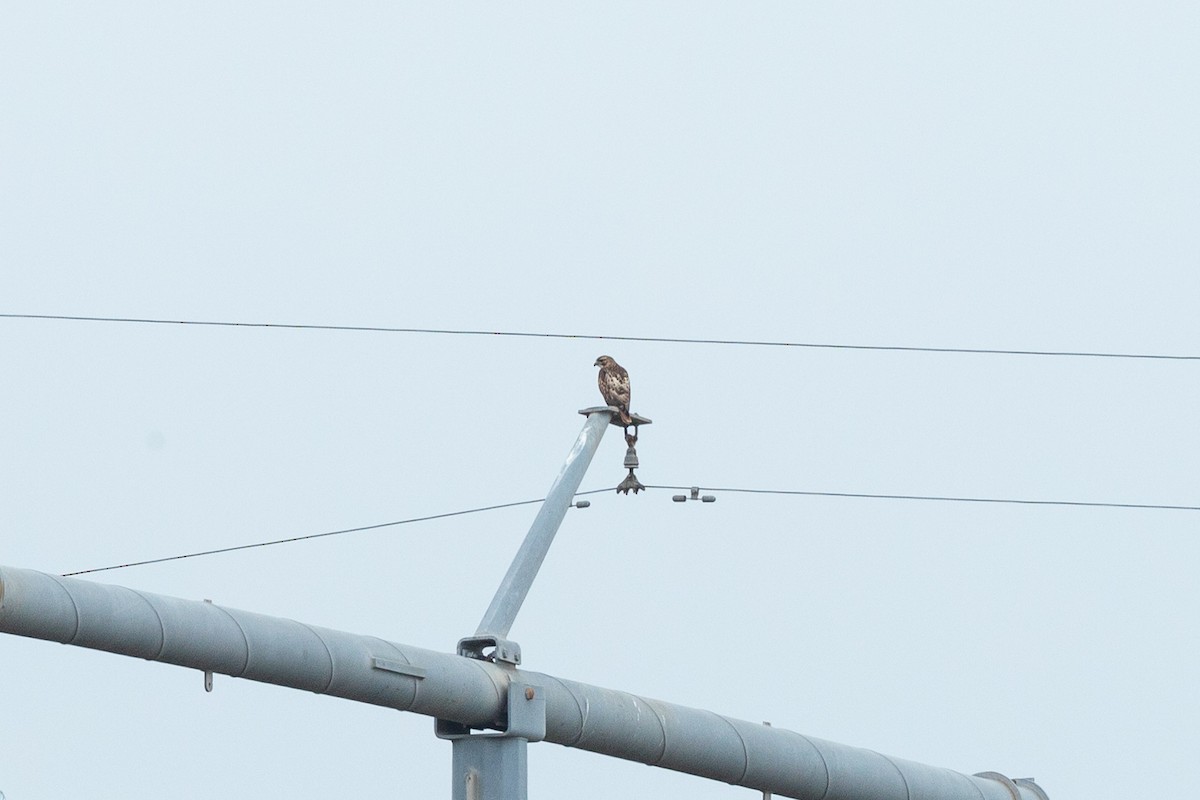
(474, 693)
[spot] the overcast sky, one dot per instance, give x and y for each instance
(928, 174)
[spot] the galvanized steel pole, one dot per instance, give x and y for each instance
(472, 693)
(499, 617)
(494, 766)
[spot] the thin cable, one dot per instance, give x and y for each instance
(786, 492)
(598, 337)
(318, 535)
(941, 498)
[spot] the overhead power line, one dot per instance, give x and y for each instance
(785, 492)
(603, 337)
(306, 537)
(940, 498)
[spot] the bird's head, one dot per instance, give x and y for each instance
(604, 361)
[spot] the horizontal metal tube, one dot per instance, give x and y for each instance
(242, 644)
(367, 669)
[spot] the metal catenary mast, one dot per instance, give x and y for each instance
(481, 700)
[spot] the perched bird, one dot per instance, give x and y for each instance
(614, 386)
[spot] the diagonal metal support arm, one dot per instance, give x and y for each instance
(502, 612)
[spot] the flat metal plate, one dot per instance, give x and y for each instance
(391, 665)
(638, 419)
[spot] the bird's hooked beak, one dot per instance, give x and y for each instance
(597, 363)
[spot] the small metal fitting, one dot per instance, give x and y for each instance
(695, 495)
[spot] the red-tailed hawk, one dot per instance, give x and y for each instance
(614, 386)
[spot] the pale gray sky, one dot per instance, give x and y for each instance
(1018, 175)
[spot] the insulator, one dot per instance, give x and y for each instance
(631, 483)
(679, 498)
(708, 498)
(631, 459)
(582, 503)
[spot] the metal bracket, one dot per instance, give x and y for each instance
(1004, 781)
(502, 650)
(766, 794)
(208, 676)
(638, 419)
(1028, 783)
(392, 665)
(525, 719)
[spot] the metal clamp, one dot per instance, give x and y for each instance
(490, 648)
(1004, 781)
(525, 718)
